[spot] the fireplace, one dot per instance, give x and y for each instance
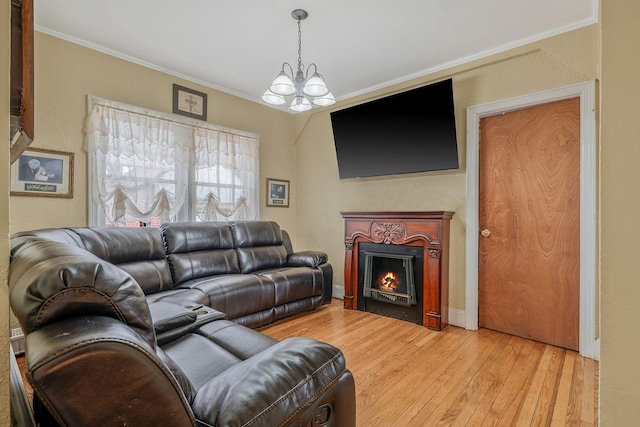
(397, 265)
(390, 282)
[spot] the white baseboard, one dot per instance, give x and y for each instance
(457, 317)
(17, 341)
(338, 291)
(596, 350)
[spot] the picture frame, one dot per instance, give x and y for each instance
(277, 193)
(189, 102)
(40, 172)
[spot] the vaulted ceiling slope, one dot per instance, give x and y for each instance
(238, 46)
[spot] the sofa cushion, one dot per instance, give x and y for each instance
(261, 257)
(196, 250)
(271, 388)
(255, 233)
(180, 237)
(236, 294)
(259, 245)
(236, 339)
(294, 283)
(61, 235)
(138, 251)
(199, 358)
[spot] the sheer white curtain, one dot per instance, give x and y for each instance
(226, 175)
(154, 165)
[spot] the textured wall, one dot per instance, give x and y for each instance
(5, 39)
(555, 62)
(620, 204)
(67, 73)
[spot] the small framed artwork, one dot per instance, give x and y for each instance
(39, 172)
(189, 102)
(277, 193)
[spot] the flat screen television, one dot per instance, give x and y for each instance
(409, 132)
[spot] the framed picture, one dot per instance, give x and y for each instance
(189, 102)
(39, 172)
(277, 193)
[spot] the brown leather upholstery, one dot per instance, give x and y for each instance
(139, 253)
(53, 281)
(97, 354)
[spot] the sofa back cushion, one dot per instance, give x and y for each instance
(138, 251)
(259, 245)
(62, 235)
(199, 249)
(51, 281)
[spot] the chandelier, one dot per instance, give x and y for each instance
(298, 84)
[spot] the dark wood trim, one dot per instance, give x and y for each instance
(429, 229)
(22, 107)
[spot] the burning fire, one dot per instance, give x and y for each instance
(389, 282)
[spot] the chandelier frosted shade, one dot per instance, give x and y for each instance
(300, 103)
(325, 100)
(283, 85)
(315, 86)
(297, 83)
(273, 98)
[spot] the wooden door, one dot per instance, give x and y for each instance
(529, 212)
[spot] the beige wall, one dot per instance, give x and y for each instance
(552, 63)
(5, 48)
(67, 73)
(620, 177)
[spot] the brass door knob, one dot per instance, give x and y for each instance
(485, 232)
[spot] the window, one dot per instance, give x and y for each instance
(147, 168)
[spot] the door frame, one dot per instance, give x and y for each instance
(589, 345)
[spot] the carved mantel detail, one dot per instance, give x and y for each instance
(388, 233)
(427, 229)
(435, 253)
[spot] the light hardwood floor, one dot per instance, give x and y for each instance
(407, 375)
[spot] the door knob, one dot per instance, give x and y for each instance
(485, 232)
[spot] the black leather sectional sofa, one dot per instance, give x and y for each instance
(151, 327)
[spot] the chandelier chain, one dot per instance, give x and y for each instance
(300, 65)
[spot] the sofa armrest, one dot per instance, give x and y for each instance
(274, 387)
(307, 259)
(88, 368)
(167, 316)
(172, 321)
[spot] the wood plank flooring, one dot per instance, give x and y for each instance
(407, 375)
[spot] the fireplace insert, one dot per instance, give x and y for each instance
(390, 280)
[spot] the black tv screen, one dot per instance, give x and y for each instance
(409, 132)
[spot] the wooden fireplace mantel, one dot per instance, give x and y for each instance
(427, 229)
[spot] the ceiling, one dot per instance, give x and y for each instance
(238, 46)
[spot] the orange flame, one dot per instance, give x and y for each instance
(389, 282)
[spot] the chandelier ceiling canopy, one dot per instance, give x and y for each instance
(307, 90)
